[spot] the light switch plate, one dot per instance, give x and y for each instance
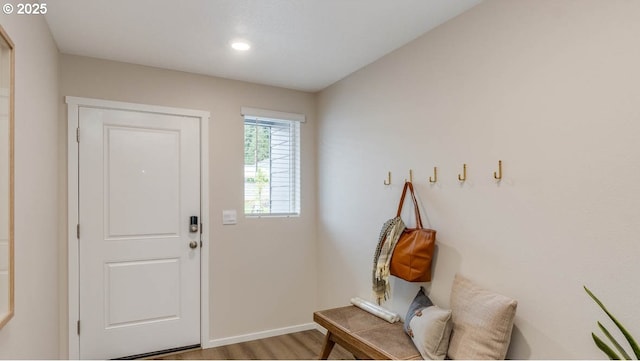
(229, 216)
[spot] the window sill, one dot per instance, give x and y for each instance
(281, 215)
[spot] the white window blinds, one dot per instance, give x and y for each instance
(271, 162)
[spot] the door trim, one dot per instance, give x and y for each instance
(73, 105)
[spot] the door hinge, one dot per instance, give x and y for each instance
(78, 231)
(78, 134)
(78, 324)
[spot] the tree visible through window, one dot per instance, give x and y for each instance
(271, 166)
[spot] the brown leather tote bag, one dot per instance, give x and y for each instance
(411, 259)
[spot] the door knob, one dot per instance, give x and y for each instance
(193, 244)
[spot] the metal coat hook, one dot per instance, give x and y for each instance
(388, 180)
(410, 176)
(463, 177)
(498, 175)
(435, 175)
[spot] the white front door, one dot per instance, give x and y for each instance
(139, 263)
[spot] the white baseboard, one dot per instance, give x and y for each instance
(259, 335)
(321, 329)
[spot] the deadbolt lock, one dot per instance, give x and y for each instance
(193, 224)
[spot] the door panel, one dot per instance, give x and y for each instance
(140, 164)
(142, 291)
(139, 181)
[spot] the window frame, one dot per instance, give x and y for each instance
(277, 118)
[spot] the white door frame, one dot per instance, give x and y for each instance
(73, 105)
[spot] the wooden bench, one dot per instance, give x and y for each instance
(364, 335)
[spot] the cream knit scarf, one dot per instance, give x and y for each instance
(389, 235)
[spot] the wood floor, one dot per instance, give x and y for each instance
(305, 345)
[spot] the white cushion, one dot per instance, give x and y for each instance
(482, 322)
(430, 331)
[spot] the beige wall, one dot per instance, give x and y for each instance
(262, 271)
(549, 87)
(33, 332)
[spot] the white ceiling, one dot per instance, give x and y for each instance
(298, 44)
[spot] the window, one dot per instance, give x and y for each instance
(271, 162)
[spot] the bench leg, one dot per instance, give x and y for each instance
(328, 346)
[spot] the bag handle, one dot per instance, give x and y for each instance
(416, 209)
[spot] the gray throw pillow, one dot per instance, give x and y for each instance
(431, 328)
(421, 301)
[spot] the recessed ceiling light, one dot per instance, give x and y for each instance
(240, 45)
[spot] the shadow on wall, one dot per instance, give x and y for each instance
(447, 261)
(451, 261)
(520, 343)
(438, 290)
